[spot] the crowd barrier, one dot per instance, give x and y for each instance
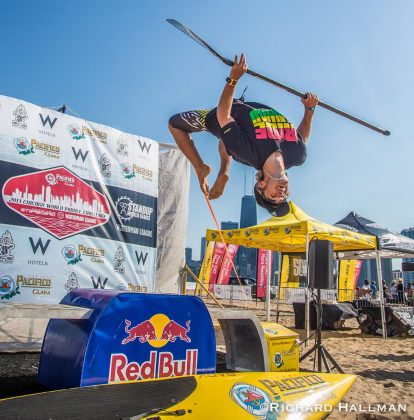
(289, 295)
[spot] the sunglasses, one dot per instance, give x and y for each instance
(283, 177)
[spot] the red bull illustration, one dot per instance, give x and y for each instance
(144, 332)
(173, 330)
(157, 331)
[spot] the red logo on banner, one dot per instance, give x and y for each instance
(57, 201)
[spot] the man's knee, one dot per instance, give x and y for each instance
(175, 122)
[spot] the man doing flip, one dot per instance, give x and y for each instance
(253, 134)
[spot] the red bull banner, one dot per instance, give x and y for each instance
(227, 264)
(129, 336)
(218, 253)
(262, 271)
(78, 205)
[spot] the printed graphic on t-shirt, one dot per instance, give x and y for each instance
(270, 124)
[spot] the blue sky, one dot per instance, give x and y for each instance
(121, 64)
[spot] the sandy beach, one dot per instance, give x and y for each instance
(384, 369)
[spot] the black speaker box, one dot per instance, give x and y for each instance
(321, 261)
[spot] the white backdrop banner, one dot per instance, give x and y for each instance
(78, 205)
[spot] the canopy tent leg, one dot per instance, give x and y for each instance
(278, 285)
(307, 304)
(268, 281)
(381, 292)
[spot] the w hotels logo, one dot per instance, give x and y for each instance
(80, 154)
(56, 200)
(144, 146)
(47, 120)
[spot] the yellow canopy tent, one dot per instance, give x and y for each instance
(292, 233)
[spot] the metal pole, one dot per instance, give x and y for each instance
(307, 306)
(278, 285)
(187, 269)
(268, 281)
(381, 291)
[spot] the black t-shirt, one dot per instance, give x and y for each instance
(256, 133)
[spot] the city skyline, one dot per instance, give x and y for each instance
(408, 276)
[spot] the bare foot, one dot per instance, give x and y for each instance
(218, 187)
(202, 173)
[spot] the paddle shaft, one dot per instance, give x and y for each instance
(289, 89)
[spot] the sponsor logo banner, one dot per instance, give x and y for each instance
(262, 271)
(128, 217)
(78, 204)
(226, 265)
(218, 253)
(57, 201)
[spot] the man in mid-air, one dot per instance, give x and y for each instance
(253, 134)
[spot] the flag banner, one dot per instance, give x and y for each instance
(293, 272)
(226, 265)
(349, 271)
(78, 206)
(204, 274)
(262, 271)
(357, 272)
(218, 253)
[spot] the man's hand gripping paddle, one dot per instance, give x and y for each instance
(230, 63)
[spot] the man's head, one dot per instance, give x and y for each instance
(271, 192)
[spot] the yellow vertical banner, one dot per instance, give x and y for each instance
(346, 280)
(204, 275)
(293, 269)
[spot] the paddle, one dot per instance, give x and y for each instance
(196, 38)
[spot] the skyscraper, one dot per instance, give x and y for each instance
(188, 255)
(229, 225)
(408, 276)
(203, 248)
(248, 214)
(247, 257)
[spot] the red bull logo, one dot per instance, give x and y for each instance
(157, 331)
(159, 365)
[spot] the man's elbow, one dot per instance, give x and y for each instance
(304, 136)
(223, 118)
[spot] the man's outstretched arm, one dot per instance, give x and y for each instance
(304, 129)
(226, 99)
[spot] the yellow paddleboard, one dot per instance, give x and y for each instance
(266, 395)
(238, 395)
